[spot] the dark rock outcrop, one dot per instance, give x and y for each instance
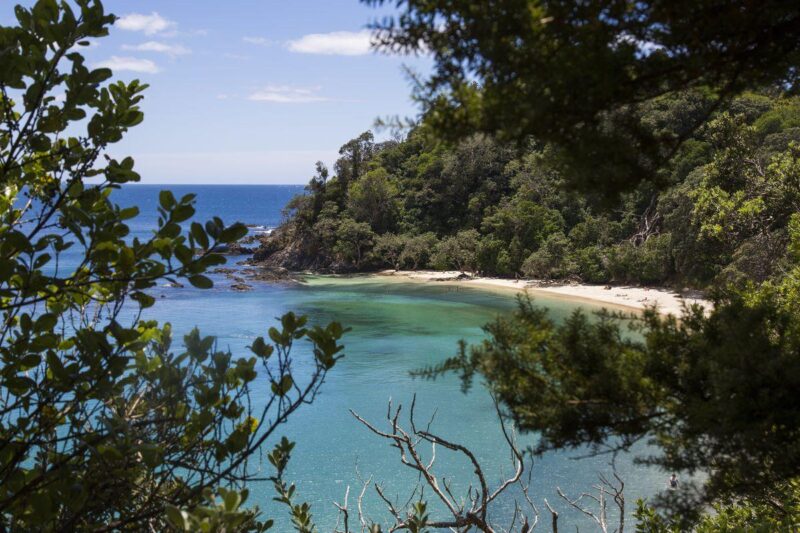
(279, 251)
(236, 248)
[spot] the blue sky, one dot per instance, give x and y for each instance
(248, 91)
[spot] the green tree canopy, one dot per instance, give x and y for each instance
(579, 74)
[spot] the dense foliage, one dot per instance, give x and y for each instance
(782, 513)
(103, 426)
(582, 75)
(482, 206)
(715, 392)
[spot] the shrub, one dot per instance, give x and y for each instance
(459, 251)
(355, 240)
(591, 265)
(417, 251)
(388, 249)
(552, 260)
(649, 263)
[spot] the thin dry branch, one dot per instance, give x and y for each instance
(458, 517)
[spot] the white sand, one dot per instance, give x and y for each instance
(668, 301)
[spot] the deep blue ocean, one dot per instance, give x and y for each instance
(396, 327)
(259, 205)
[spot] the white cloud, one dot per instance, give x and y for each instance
(149, 24)
(132, 64)
(285, 94)
(261, 41)
(172, 50)
(343, 43)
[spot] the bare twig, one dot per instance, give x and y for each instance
(604, 488)
(553, 514)
(343, 513)
(470, 511)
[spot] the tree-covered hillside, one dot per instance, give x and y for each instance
(505, 210)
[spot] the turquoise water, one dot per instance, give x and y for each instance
(396, 327)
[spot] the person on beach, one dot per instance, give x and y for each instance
(673, 482)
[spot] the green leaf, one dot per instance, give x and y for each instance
(30, 361)
(261, 348)
(201, 282)
(55, 366)
(7, 267)
(151, 454)
(284, 386)
(40, 143)
(276, 336)
(19, 384)
(178, 518)
(183, 254)
(100, 75)
(166, 199)
(46, 322)
(182, 212)
(232, 500)
(128, 212)
(233, 233)
(199, 235)
(145, 300)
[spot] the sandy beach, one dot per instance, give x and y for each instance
(631, 298)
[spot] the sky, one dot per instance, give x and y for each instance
(248, 91)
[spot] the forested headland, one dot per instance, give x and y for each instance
(722, 210)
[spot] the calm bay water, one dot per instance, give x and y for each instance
(396, 327)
